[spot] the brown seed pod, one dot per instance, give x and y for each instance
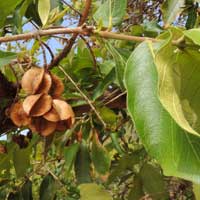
(37, 105)
(57, 86)
(45, 84)
(52, 115)
(64, 110)
(64, 125)
(42, 126)
(32, 80)
(18, 115)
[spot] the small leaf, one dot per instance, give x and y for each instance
(26, 190)
(21, 160)
(108, 115)
(70, 156)
(153, 182)
(44, 7)
(120, 63)
(91, 191)
(100, 156)
(82, 164)
(48, 188)
(111, 12)
(6, 57)
(136, 192)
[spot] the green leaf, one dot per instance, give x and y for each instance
(82, 164)
(193, 35)
(171, 9)
(179, 84)
(196, 190)
(6, 57)
(26, 190)
(70, 156)
(100, 156)
(7, 7)
(111, 12)
(153, 182)
(48, 188)
(136, 192)
(21, 160)
(91, 191)
(44, 7)
(120, 63)
(175, 149)
(108, 115)
(103, 85)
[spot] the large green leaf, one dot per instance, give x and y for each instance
(171, 9)
(175, 149)
(6, 7)
(91, 191)
(179, 72)
(111, 12)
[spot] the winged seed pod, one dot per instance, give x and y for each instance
(42, 126)
(45, 85)
(37, 105)
(42, 110)
(18, 115)
(32, 80)
(57, 87)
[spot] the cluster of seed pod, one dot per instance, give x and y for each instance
(43, 110)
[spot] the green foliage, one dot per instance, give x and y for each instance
(111, 12)
(92, 191)
(175, 149)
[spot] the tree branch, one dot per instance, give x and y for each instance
(70, 43)
(84, 30)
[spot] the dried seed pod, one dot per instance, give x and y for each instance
(32, 80)
(57, 86)
(52, 115)
(64, 110)
(37, 105)
(45, 84)
(42, 126)
(64, 125)
(18, 115)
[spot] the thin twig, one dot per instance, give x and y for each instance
(83, 95)
(49, 49)
(71, 7)
(115, 98)
(72, 40)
